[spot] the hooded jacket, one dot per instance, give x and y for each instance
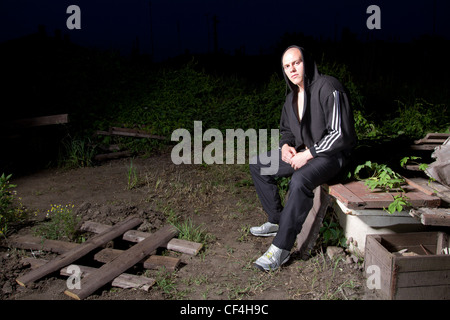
(327, 125)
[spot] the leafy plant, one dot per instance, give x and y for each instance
(62, 223)
(9, 213)
(379, 176)
(382, 177)
(400, 201)
(405, 160)
(332, 234)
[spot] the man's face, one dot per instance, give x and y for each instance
(293, 66)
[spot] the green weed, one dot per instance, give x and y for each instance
(10, 211)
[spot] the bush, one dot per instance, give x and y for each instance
(10, 213)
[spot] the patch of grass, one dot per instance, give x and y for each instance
(132, 177)
(188, 231)
(78, 153)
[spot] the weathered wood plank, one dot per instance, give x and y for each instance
(423, 278)
(178, 245)
(307, 237)
(42, 121)
(126, 132)
(29, 242)
(126, 260)
(424, 293)
(432, 216)
(423, 263)
(347, 197)
(79, 251)
(156, 262)
(152, 262)
(355, 195)
(125, 280)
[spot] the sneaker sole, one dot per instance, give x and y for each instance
(272, 234)
(270, 269)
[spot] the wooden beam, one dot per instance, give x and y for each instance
(309, 234)
(153, 262)
(79, 251)
(126, 260)
(42, 121)
(126, 132)
(432, 216)
(125, 280)
(178, 245)
(29, 242)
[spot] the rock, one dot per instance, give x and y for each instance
(348, 260)
(333, 252)
(7, 288)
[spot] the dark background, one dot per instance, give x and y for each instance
(48, 69)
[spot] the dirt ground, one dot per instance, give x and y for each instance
(219, 198)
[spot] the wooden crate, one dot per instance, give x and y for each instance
(425, 275)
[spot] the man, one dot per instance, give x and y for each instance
(317, 135)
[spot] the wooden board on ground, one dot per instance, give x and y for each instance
(153, 262)
(126, 260)
(29, 242)
(124, 281)
(79, 251)
(178, 245)
(307, 237)
(361, 197)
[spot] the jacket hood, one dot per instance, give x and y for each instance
(311, 73)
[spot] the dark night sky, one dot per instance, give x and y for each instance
(180, 25)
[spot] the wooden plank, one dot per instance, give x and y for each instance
(126, 260)
(376, 255)
(79, 251)
(442, 243)
(423, 278)
(432, 216)
(113, 155)
(424, 293)
(178, 245)
(307, 237)
(125, 280)
(126, 132)
(346, 196)
(440, 190)
(356, 195)
(157, 262)
(423, 263)
(29, 242)
(153, 262)
(42, 121)
(406, 240)
(184, 246)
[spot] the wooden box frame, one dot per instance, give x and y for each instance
(423, 276)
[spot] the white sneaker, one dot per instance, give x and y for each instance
(266, 230)
(272, 259)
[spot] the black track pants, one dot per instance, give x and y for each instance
(290, 219)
